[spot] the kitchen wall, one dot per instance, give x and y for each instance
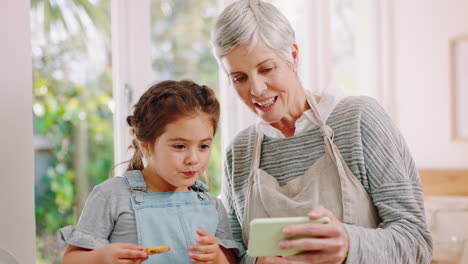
(421, 33)
(17, 232)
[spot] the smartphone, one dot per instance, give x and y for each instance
(266, 233)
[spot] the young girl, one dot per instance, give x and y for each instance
(159, 201)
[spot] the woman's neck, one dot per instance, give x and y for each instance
(287, 125)
(297, 106)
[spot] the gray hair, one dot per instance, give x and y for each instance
(252, 20)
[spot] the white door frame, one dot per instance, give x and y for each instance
(131, 68)
(17, 221)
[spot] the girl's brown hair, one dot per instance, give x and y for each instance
(164, 103)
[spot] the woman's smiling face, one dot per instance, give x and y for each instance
(266, 83)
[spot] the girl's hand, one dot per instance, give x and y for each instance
(208, 248)
(122, 253)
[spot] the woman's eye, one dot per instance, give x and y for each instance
(179, 146)
(239, 79)
(266, 70)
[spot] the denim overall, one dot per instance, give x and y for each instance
(170, 218)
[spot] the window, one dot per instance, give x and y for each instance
(342, 43)
(72, 107)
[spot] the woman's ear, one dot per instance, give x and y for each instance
(295, 54)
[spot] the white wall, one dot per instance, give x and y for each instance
(17, 231)
(422, 31)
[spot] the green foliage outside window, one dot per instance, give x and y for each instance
(70, 103)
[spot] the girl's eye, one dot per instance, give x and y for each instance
(266, 70)
(239, 79)
(179, 146)
(205, 146)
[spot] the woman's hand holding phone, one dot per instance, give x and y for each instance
(325, 243)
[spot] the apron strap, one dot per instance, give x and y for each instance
(332, 150)
(348, 192)
(257, 151)
(314, 107)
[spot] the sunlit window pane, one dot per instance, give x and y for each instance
(72, 95)
(343, 52)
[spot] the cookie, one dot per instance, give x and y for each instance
(156, 250)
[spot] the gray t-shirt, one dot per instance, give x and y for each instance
(108, 217)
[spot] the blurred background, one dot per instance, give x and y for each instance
(86, 62)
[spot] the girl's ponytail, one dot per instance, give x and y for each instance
(136, 162)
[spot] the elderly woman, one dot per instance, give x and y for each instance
(312, 155)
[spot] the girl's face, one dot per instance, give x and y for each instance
(180, 155)
(266, 83)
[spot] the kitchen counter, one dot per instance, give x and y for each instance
(447, 218)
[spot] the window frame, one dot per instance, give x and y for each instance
(131, 68)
